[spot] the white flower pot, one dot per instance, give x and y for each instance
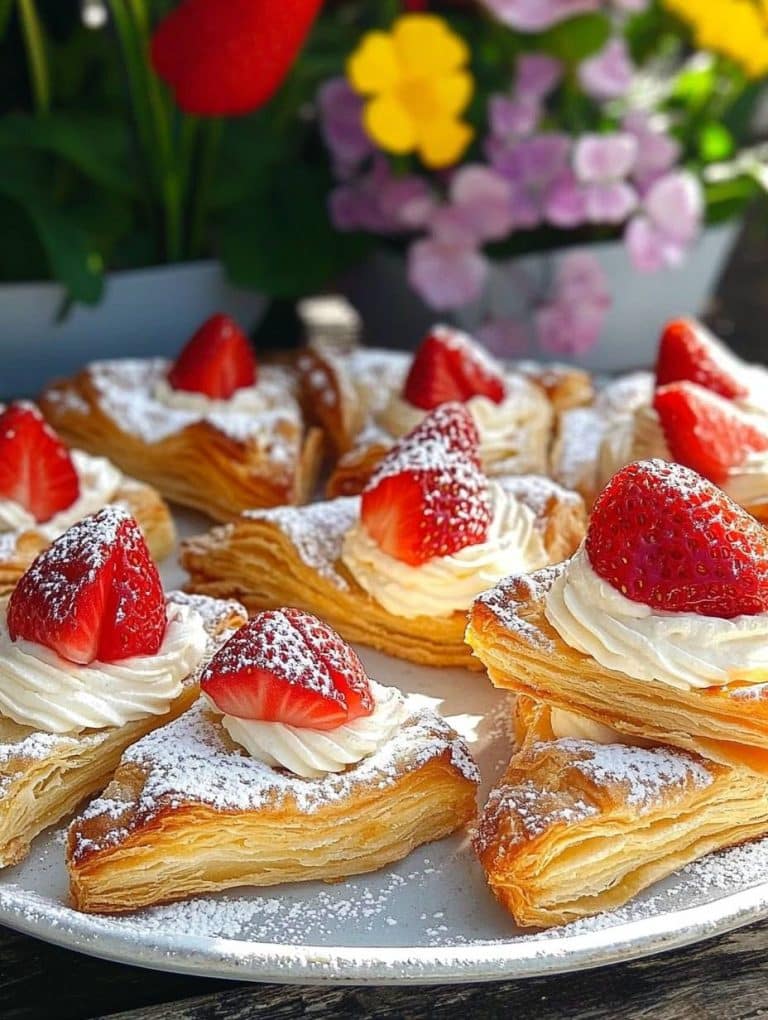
(143, 312)
(641, 303)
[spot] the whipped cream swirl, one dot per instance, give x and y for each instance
(99, 482)
(40, 689)
(684, 650)
(314, 753)
(447, 584)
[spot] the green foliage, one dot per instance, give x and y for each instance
(574, 40)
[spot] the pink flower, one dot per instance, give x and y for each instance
(609, 73)
(571, 321)
(505, 337)
(513, 117)
(483, 198)
(537, 74)
(668, 223)
(381, 203)
(341, 122)
(657, 151)
(532, 166)
(535, 15)
(600, 164)
(447, 271)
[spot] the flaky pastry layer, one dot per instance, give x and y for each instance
(293, 557)
(511, 636)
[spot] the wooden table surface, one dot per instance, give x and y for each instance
(722, 979)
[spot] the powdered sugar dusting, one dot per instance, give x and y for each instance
(506, 599)
(538, 493)
(317, 531)
(192, 761)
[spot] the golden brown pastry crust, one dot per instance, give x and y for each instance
(18, 550)
(574, 828)
(200, 465)
(565, 386)
(522, 652)
(258, 560)
(150, 840)
(43, 777)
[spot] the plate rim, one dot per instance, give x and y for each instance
(232, 959)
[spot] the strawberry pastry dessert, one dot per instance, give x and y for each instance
(44, 488)
(703, 408)
(93, 655)
(293, 765)
(398, 567)
(658, 625)
(214, 430)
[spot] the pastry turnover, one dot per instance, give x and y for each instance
(188, 812)
(44, 776)
(18, 549)
(574, 827)
(219, 461)
(511, 636)
(292, 556)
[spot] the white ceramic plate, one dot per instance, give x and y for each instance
(429, 919)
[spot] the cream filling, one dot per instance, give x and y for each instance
(99, 482)
(248, 400)
(40, 689)
(447, 584)
(684, 650)
(314, 753)
(569, 725)
(520, 425)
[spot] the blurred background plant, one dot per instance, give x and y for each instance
(458, 134)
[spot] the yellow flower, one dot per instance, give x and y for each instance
(738, 29)
(417, 86)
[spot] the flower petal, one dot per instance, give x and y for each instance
(442, 142)
(426, 45)
(453, 91)
(389, 124)
(373, 67)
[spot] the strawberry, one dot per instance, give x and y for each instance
(36, 469)
(426, 499)
(688, 352)
(216, 361)
(94, 594)
(704, 431)
(664, 536)
(449, 365)
(454, 426)
(286, 666)
(229, 58)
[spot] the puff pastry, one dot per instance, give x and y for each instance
(18, 549)
(574, 828)
(522, 652)
(292, 556)
(189, 813)
(44, 776)
(219, 462)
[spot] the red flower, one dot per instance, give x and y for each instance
(224, 57)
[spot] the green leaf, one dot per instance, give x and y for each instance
(95, 145)
(577, 38)
(6, 9)
(72, 259)
(695, 87)
(282, 242)
(715, 142)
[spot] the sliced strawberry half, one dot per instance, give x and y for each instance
(666, 537)
(286, 666)
(36, 469)
(217, 361)
(688, 352)
(94, 594)
(706, 432)
(454, 426)
(449, 365)
(426, 500)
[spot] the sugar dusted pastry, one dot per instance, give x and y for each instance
(658, 625)
(581, 820)
(398, 568)
(292, 766)
(44, 488)
(93, 656)
(366, 409)
(212, 431)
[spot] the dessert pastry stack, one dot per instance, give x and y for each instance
(214, 430)
(398, 567)
(703, 408)
(641, 669)
(367, 399)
